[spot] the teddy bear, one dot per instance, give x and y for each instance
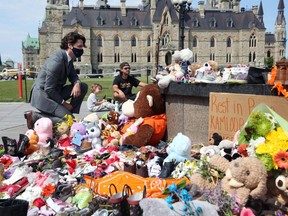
(244, 177)
(77, 133)
(179, 149)
(179, 70)
(149, 105)
(44, 129)
(277, 186)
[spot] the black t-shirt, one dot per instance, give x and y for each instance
(126, 85)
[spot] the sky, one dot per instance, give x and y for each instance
(18, 18)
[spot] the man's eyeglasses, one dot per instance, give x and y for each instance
(126, 68)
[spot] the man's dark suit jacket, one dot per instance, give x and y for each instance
(45, 93)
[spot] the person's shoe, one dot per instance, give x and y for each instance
(23, 143)
(28, 115)
(10, 146)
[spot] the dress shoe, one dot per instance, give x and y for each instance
(28, 115)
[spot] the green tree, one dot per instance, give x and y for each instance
(269, 61)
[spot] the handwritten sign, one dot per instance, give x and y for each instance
(228, 112)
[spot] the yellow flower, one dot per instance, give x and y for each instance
(276, 140)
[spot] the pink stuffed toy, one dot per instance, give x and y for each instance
(132, 129)
(43, 128)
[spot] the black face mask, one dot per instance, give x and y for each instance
(77, 52)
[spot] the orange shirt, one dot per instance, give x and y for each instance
(158, 122)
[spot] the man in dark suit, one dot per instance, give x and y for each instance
(49, 94)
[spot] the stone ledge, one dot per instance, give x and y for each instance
(203, 89)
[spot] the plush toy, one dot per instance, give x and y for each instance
(92, 117)
(113, 117)
(33, 142)
(179, 149)
(157, 206)
(245, 176)
(123, 118)
(114, 139)
(93, 135)
(278, 189)
(150, 106)
(44, 129)
(215, 139)
(132, 129)
(180, 69)
(77, 133)
(77, 127)
(62, 132)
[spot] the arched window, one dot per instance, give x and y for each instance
(134, 21)
(252, 41)
(149, 41)
(165, 39)
(100, 21)
(213, 23)
(194, 42)
(99, 41)
(254, 56)
(195, 22)
(195, 59)
(117, 21)
(148, 57)
(229, 42)
(250, 57)
(230, 23)
(133, 41)
(116, 41)
(212, 42)
(268, 54)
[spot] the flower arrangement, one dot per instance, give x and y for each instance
(266, 138)
(228, 205)
(178, 193)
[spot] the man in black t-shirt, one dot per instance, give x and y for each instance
(123, 84)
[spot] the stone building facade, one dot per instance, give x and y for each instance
(217, 30)
(30, 51)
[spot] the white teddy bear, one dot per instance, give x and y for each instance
(182, 60)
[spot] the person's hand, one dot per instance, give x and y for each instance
(68, 106)
(76, 91)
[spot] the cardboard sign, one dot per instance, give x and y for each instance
(228, 112)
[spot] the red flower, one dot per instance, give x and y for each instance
(242, 149)
(48, 190)
(281, 159)
(6, 161)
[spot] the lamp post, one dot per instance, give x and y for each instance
(182, 6)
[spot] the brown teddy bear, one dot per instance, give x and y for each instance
(149, 105)
(244, 177)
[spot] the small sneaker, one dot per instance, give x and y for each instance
(210, 77)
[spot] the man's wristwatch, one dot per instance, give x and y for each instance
(77, 81)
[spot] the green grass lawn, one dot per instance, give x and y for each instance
(9, 88)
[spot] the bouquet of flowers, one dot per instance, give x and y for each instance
(265, 135)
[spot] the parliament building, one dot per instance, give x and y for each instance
(148, 35)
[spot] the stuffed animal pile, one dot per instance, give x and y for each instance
(225, 178)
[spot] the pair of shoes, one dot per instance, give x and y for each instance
(16, 188)
(14, 148)
(28, 115)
